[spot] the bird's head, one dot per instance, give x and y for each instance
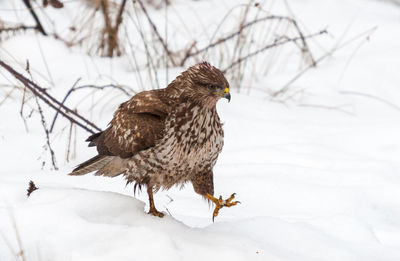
(203, 83)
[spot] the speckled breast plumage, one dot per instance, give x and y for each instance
(191, 142)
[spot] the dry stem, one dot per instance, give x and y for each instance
(42, 94)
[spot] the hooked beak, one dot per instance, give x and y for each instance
(226, 94)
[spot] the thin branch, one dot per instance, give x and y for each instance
(276, 43)
(65, 98)
(69, 142)
(119, 15)
(394, 106)
(21, 252)
(228, 37)
(117, 24)
(169, 53)
(50, 100)
(328, 54)
(21, 111)
(108, 27)
(110, 30)
(73, 88)
(327, 108)
(17, 28)
(246, 25)
(46, 131)
(35, 17)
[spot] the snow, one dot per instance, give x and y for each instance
(97, 225)
(317, 174)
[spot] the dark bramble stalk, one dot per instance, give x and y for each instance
(35, 17)
(42, 94)
(31, 187)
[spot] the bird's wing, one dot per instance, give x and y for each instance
(136, 125)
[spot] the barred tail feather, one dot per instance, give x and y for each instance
(92, 164)
(113, 168)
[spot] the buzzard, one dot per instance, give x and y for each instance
(166, 137)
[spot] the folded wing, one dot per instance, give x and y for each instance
(136, 125)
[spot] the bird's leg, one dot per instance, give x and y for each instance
(220, 203)
(152, 209)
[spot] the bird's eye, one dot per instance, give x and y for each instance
(209, 86)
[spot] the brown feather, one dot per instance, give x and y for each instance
(95, 163)
(165, 137)
(137, 124)
(113, 168)
(92, 139)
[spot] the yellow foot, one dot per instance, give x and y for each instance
(220, 203)
(155, 212)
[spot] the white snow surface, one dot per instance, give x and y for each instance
(318, 178)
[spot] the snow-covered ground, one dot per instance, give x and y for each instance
(318, 177)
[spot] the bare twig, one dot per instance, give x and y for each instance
(240, 42)
(69, 142)
(228, 37)
(327, 108)
(55, 116)
(138, 74)
(110, 30)
(74, 88)
(305, 49)
(17, 28)
(35, 17)
(46, 131)
(247, 25)
(21, 111)
(8, 243)
(7, 95)
(42, 94)
(21, 252)
(154, 27)
(394, 106)
(151, 68)
(339, 46)
(189, 53)
(276, 43)
(119, 15)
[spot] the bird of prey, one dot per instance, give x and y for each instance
(166, 137)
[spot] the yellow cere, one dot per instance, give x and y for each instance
(226, 90)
